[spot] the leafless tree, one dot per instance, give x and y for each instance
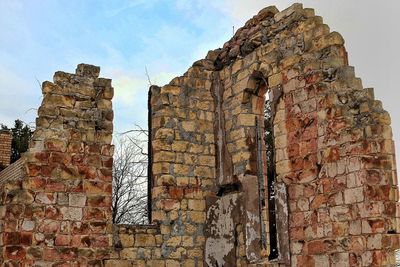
(130, 178)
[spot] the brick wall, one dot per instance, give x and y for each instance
(5, 148)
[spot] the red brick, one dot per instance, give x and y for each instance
(62, 240)
(14, 253)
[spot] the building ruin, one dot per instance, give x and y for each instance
(334, 165)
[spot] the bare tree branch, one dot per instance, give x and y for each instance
(148, 76)
(130, 178)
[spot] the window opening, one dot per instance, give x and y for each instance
(271, 178)
(129, 198)
(132, 174)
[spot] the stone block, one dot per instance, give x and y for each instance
(197, 216)
(77, 200)
(127, 240)
(374, 242)
(119, 263)
(339, 259)
(71, 213)
(46, 198)
(144, 240)
(198, 205)
(353, 195)
(87, 70)
(246, 120)
(275, 80)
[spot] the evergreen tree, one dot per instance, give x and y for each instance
(21, 134)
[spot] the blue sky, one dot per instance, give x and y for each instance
(39, 37)
(123, 37)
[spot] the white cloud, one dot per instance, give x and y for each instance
(111, 11)
(130, 96)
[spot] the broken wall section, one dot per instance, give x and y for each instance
(60, 211)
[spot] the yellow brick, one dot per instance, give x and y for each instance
(153, 263)
(202, 171)
(207, 182)
(283, 167)
(159, 240)
(165, 229)
(194, 148)
(161, 168)
(207, 160)
(164, 156)
(189, 263)
(275, 80)
(128, 253)
(184, 204)
(178, 253)
(180, 146)
(210, 138)
(189, 126)
(197, 216)
(174, 241)
(145, 240)
(199, 205)
(166, 180)
(127, 240)
(237, 66)
(119, 263)
(190, 229)
(172, 263)
(195, 253)
(240, 156)
(164, 133)
(200, 240)
(246, 120)
(170, 89)
(239, 86)
(290, 61)
(187, 241)
(158, 215)
(237, 134)
(243, 74)
(181, 169)
(182, 181)
(333, 38)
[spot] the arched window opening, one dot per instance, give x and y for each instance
(266, 166)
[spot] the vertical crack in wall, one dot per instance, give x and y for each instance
(222, 210)
(224, 161)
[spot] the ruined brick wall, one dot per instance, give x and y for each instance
(336, 174)
(5, 148)
(336, 180)
(60, 213)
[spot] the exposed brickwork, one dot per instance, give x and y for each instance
(5, 148)
(15, 171)
(334, 155)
